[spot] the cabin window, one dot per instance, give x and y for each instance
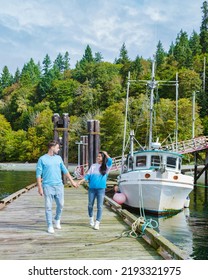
(171, 162)
(130, 162)
(155, 160)
(141, 161)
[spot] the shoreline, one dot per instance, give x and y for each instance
(16, 166)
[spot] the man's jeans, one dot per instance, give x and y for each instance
(53, 193)
(99, 194)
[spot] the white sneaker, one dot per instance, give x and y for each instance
(92, 223)
(57, 224)
(50, 229)
(97, 225)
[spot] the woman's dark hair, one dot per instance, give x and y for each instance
(103, 167)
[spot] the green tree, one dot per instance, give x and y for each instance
(204, 27)
(182, 50)
(6, 78)
(17, 76)
(66, 61)
(112, 125)
(62, 93)
(189, 81)
(87, 57)
(98, 57)
(123, 56)
(30, 74)
(194, 43)
(59, 63)
(160, 54)
(136, 68)
(5, 134)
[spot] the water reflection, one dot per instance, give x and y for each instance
(12, 181)
(176, 229)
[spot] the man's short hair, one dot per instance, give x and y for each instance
(52, 143)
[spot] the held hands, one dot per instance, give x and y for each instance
(75, 185)
(80, 182)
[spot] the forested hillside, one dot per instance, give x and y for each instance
(96, 89)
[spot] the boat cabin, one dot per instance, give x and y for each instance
(162, 160)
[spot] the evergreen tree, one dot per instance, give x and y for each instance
(59, 63)
(46, 64)
(87, 57)
(6, 78)
(98, 57)
(123, 56)
(136, 68)
(171, 49)
(204, 28)
(160, 54)
(182, 50)
(66, 61)
(194, 43)
(31, 73)
(17, 76)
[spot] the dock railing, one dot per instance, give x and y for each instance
(188, 146)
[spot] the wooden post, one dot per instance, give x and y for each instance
(206, 171)
(55, 120)
(90, 129)
(82, 154)
(96, 139)
(195, 167)
(65, 139)
(61, 125)
(93, 127)
(85, 149)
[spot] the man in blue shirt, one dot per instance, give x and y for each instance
(49, 171)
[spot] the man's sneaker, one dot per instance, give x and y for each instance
(97, 225)
(92, 223)
(57, 224)
(50, 229)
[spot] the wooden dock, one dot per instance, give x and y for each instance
(23, 232)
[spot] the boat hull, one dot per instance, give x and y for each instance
(159, 193)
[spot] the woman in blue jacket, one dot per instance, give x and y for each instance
(97, 177)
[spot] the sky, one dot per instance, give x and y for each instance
(34, 28)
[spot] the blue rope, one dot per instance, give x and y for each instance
(149, 223)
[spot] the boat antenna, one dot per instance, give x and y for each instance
(125, 121)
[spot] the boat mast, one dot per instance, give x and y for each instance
(176, 132)
(126, 113)
(152, 85)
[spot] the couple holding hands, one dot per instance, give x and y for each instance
(49, 171)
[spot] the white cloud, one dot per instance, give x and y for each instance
(34, 28)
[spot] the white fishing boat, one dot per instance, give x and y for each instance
(151, 178)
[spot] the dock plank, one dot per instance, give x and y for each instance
(23, 234)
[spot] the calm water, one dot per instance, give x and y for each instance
(188, 229)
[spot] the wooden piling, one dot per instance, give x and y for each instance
(93, 127)
(65, 147)
(96, 140)
(55, 120)
(90, 129)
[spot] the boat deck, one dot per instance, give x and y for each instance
(23, 234)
